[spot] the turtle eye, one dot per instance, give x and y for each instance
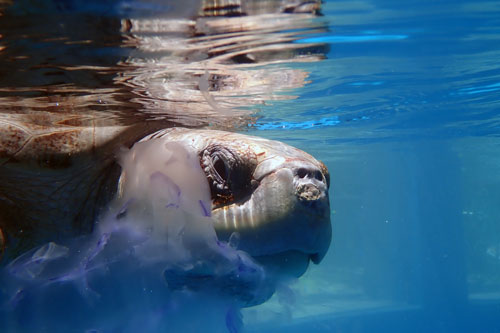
(217, 162)
(220, 168)
(228, 172)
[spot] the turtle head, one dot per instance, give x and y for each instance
(268, 196)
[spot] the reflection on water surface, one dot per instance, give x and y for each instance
(74, 67)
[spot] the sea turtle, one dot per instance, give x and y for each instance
(59, 172)
(55, 184)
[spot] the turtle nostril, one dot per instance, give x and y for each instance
(302, 173)
(316, 174)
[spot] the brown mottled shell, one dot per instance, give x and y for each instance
(30, 138)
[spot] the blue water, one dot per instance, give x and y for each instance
(404, 109)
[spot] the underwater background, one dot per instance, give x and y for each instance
(405, 112)
(402, 103)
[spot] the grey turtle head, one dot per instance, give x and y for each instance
(269, 197)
